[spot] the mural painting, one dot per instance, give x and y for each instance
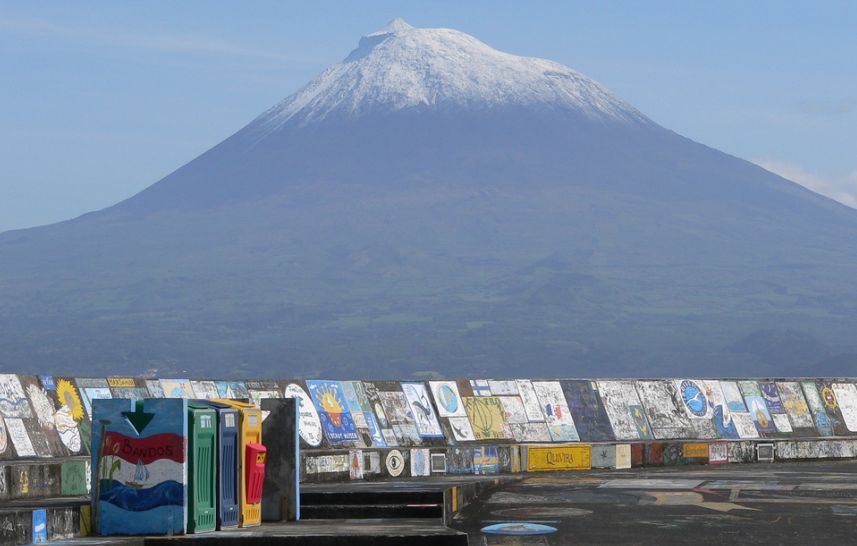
(371, 462)
(831, 407)
(398, 412)
(459, 460)
(693, 398)
(420, 462)
(771, 395)
(557, 415)
(41, 427)
(518, 425)
(486, 460)
(73, 479)
(757, 407)
(816, 407)
(486, 417)
(718, 453)
(480, 387)
(448, 400)
(373, 400)
(259, 394)
(204, 390)
(666, 418)
(695, 452)
(513, 410)
(349, 393)
(745, 426)
(552, 458)
(503, 388)
(461, 429)
(92, 389)
(673, 454)
(128, 388)
(139, 466)
(362, 421)
(624, 410)
(795, 405)
(846, 395)
(177, 388)
(531, 402)
(309, 426)
(720, 414)
(530, 432)
(70, 417)
(590, 417)
(604, 456)
(19, 437)
(394, 463)
(422, 410)
(375, 432)
(154, 388)
(13, 401)
(232, 390)
(355, 464)
(335, 418)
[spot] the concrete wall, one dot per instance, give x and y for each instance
(382, 429)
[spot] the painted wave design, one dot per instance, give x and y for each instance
(167, 493)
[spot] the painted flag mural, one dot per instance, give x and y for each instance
(139, 468)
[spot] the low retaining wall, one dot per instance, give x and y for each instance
(389, 429)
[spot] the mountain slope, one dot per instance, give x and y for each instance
(431, 204)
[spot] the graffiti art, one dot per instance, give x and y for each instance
(395, 463)
(447, 398)
(486, 417)
(587, 410)
(422, 410)
(846, 396)
(771, 395)
(555, 409)
(309, 426)
(335, 418)
(693, 398)
(13, 401)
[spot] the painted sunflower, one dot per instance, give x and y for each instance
(68, 396)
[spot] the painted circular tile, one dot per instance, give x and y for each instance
(310, 423)
(518, 528)
(395, 463)
(448, 399)
(694, 398)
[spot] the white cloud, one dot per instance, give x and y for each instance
(842, 189)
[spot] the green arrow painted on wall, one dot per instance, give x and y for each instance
(138, 418)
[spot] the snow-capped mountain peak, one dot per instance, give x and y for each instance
(402, 67)
(396, 25)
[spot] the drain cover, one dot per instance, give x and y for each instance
(518, 528)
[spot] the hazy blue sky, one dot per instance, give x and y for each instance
(100, 99)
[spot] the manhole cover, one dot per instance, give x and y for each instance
(518, 528)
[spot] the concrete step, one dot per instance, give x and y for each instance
(373, 496)
(22, 520)
(372, 511)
